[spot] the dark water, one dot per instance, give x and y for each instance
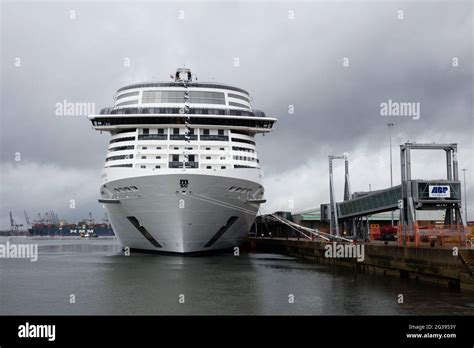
(106, 282)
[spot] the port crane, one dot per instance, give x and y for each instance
(90, 220)
(13, 224)
(27, 219)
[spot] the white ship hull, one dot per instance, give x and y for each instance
(163, 216)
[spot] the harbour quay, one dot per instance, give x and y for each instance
(414, 230)
(436, 265)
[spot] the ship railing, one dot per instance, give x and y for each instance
(106, 111)
(183, 137)
(214, 137)
(153, 137)
(192, 111)
(176, 164)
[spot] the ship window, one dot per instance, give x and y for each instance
(151, 96)
(175, 130)
(208, 157)
(176, 110)
(143, 167)
(222, 149)
(175, 158)
(122, 139)
(241, 132)
(176, 148)
(241, 166)
(144, 148)
(146, 131)
(161, 131)
(206, 97)
(208, 167)
(158, 157)
(143, 157)
(130, 102)
(121, 148)
(238, 105)
(121, 157)
(222, 167)
(131, 94)
(205, 132)
(157, 167)
(232, 95)
(222, 158)
(120, 165)
(220, 132)
(191, 158)
(158, 147)
(243, 141)
(208, 148)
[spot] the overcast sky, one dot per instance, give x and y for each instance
(289, 54)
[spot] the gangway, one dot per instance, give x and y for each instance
(374, 202)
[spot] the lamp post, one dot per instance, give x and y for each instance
(465, 196)
(390, 125)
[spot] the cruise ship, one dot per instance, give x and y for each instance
(181, 173)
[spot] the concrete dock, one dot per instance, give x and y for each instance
(438, 265)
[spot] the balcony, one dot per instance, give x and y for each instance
(182, 137)
(214, 137)
(152, 136)
(174, 164)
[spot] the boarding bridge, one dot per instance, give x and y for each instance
(353, 213)
(367, 203)
(411, 196)
(374, 202)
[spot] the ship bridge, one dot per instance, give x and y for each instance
(182, 101)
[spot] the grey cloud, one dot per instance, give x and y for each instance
(282, 62)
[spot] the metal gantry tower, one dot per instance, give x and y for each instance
(409, 197)
(432, 194)
(333, 213)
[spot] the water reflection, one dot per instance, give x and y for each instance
(106, 282)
